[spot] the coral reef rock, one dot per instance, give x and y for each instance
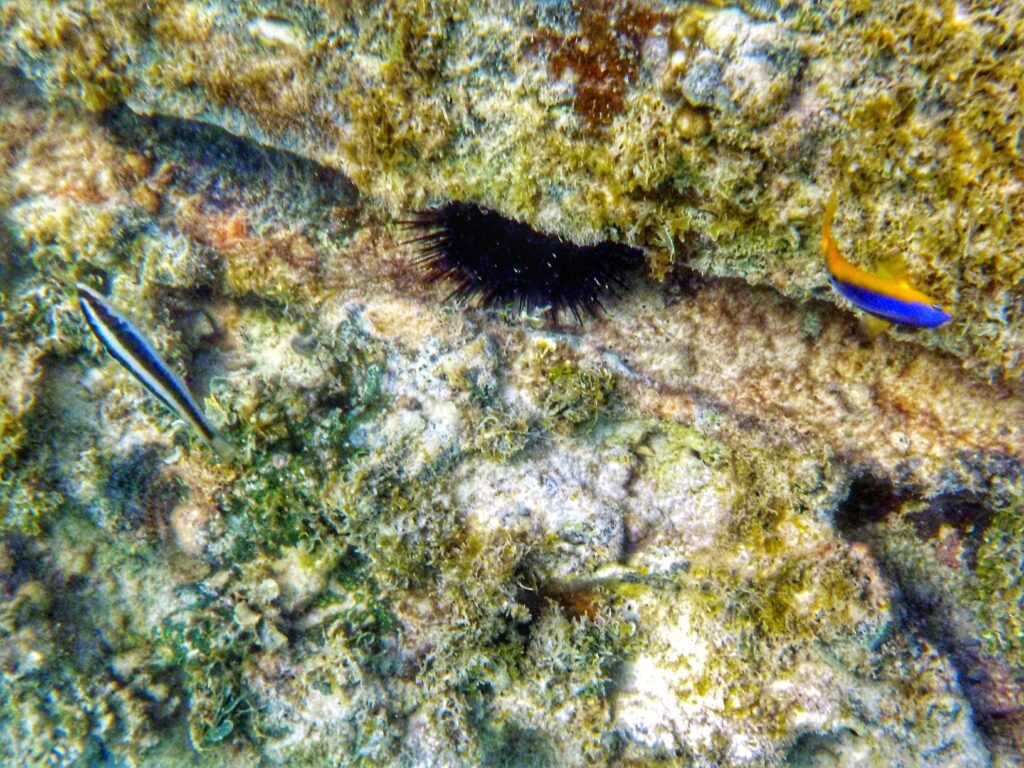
(706, 131)
(716, 525)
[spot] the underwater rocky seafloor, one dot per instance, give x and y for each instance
(717, 526)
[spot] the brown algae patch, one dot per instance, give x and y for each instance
(602, 59)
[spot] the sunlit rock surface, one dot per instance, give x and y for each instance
(708, 133)
(716, 526)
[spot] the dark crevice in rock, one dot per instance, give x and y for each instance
(871, 499)
(514, 746)
(987, 680)
(871, 514)
(228, 169)
(964, 511)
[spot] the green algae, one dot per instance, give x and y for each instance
(30, 502)
(497, 635)
(295, 441)
(576, 396)
(209, 650)
(668, 441)
(503, 439)
(494, 665)
(998, 588)
(401, 523)
(569, 395)
(77, 686)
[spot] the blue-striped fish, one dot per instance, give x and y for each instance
(130, 349)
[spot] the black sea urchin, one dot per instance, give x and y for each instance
(494, 260)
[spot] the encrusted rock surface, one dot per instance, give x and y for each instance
(705, 132)
(717, 526)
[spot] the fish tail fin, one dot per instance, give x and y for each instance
(225, 450)
(833, 259)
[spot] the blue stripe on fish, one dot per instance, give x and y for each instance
(892, 309)
(131, 349)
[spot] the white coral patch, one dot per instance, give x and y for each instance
(569, 493)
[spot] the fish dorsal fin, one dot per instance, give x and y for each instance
(893, 269)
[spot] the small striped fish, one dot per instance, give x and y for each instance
(130, 349)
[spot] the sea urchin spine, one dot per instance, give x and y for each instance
(493, 260)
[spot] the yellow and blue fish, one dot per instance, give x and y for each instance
(131, 349)
(893, 300)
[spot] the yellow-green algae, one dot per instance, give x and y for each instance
(329, 600)
(736, 122)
